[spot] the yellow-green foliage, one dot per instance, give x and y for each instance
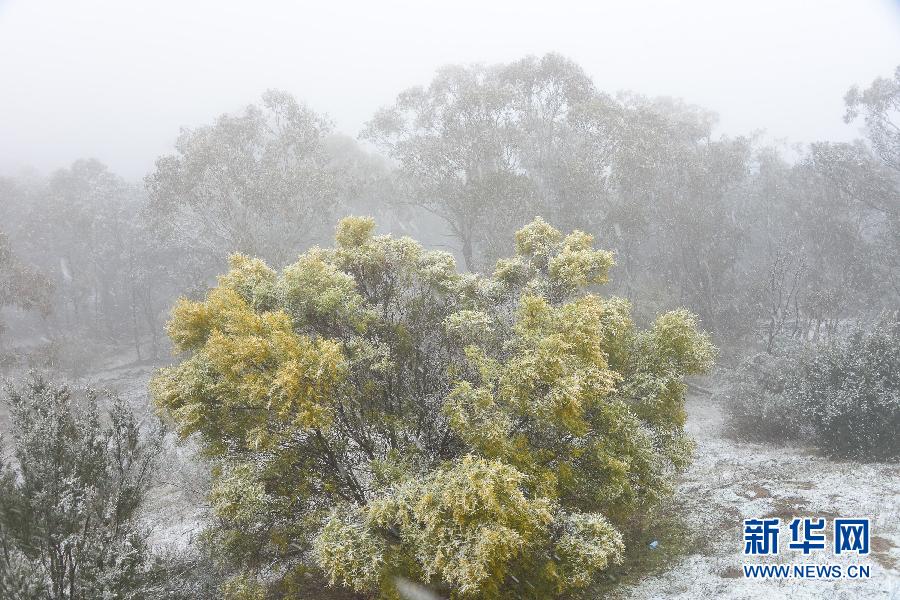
(375, 414)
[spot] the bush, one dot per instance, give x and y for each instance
(757, 407)
(377, 417)
(69, 501)
(842, 396)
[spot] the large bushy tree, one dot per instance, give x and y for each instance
(374, 414)
(815, 242)
(78, 229)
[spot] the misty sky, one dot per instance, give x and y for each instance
(116, 79)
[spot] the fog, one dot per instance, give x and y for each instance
(116, 80)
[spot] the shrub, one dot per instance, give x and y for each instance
(69, 502)
(757, 407)
(376, 417)
(842, 396)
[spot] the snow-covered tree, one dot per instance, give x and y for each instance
(70, 497)
(257, 182)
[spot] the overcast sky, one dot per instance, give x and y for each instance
(116, 79)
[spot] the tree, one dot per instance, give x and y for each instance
(484, 147)
(21, 286)
(257, 182)
(69, 502)
(374, 414)
(880, 107)
(87, 230)
(676, 213)
(816, 241)
(75, 227)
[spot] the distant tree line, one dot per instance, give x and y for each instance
(760, 246)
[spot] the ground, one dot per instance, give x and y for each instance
(728, 481)
(731, 480)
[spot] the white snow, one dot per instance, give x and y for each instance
(730, 481)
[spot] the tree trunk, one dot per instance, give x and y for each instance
(468, 254)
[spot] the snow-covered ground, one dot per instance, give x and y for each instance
(730, 481)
